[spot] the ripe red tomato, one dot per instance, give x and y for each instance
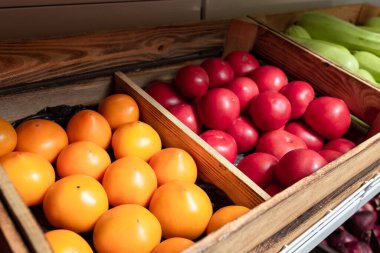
(192, 81)
(270, 110)
(218, 70)
(273, 189)
(313, 140)
(329, 155)
(187, 115)
(245, 89)
(300, 94)
(278, 143)
(328, 116)
(259, 167)
(222, 142)
(269, 78)
(244, 133)
(218, 108)
(341, 145)
(297, 164)
(242, 62)
(164, 93)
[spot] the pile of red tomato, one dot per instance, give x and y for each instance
(240, 107)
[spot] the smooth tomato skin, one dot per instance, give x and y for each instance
(244, 133)
(297, 164)
(188, 115)
(218, 108)
(270, 110)
(173, 245)
(219, 71)
(165, 94)
(8, 137)
(245, 89)
(127, 228)
(269, 78)
(225, 215)
(299, 94)
(242, 63)
(75, 202)
(313, 140)
(183, 209)
(273, 189)
(67, 241)
(278, 143)
(222, 142)
(259, 167)
(329, 155)
(341, 145)
(192, 81)
(328, 116)
(31, 174)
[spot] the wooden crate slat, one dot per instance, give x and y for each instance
(36, 60)
(174, 134)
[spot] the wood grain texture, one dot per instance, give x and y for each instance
(31, 61)
(10, 239)
(278, 221)
(212, 166)
(27, 225)
(362, 98)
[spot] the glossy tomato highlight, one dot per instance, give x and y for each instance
(218, 108)
(269, 78)
(243, 63)
(218, 70)
(222, 142)
(192, 81)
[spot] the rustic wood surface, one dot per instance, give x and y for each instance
(10, 239)
(36, 60)
(278, 221)
(362, 98)
(212, 166)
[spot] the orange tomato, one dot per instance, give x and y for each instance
(182, 208)
(67, 241)
(225, 215)
(127, 228)
(8, 137)
(30, 173)
(89, 125)
(75, 202)
(173, 245)
(172, 164)
(129, 180)
(119, 109)
(41, 136)
(137, 139)
(83, 157)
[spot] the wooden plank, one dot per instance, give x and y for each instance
(10, 239)
(274, 223)
(27, 225)
(31, 61)
(367, 11)
(212, 166)
(20, 105)
(327, 77)
(57, 20)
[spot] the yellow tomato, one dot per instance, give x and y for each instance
(127, 228)
(8, 137)
(173, 245)
(75, 202)
(67, 241)
(182, 208)
(129, 180)
(30, 173)
(225, 215)
(137, 139)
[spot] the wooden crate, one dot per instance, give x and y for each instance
(356, 14)
(87, 76)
